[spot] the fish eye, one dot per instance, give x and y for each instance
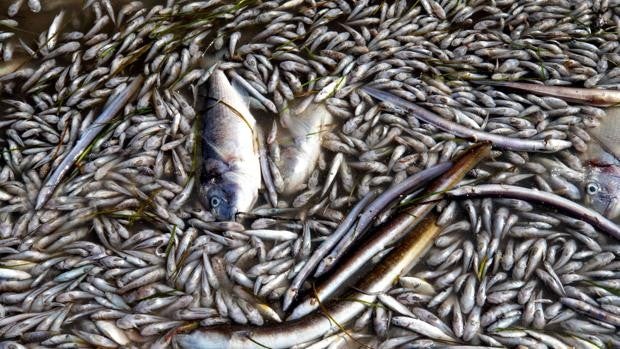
(592, 188)
(215, 201)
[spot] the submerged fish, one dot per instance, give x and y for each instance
(299, 144)
(230, 175)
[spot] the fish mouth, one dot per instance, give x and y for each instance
(233, 214)
(229, 215)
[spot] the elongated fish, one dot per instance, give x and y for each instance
(396, 264)
(230, 173)
(499, 141)
(390, 232)
(591, 96)
(601, 182)
(300, 144)
(116, 104)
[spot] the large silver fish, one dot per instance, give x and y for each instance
(606, 138)
(230, 174)
(602, 189)
(602, 180)
(300, 144)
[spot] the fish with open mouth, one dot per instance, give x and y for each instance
(230, 173)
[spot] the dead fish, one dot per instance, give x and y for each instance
(391, 231)
(597, 97)
(230, 175)
(605, 148)
(602, 189)
(116, 104)
(510, 143)
(601, 184)
(300, 144)
(396, 264)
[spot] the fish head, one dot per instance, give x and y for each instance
(221, 197)
(229, 193)
(602, 190)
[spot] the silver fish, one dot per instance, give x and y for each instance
(300, 144)
(595, 97)
(602, 189)
(602, 180)
(545, 198)
(606, 148)
(115, 105)
(230, 175)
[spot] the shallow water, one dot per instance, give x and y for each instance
(125, 235)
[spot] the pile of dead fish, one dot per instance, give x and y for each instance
(231, 174)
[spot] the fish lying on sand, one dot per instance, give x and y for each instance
(230, 175)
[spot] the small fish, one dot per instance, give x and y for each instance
(231, 174)
(545, 198)
(396, 264)
(300, 144)
(392, 231)
(602, 180)
(116, 104)
(517, 144)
